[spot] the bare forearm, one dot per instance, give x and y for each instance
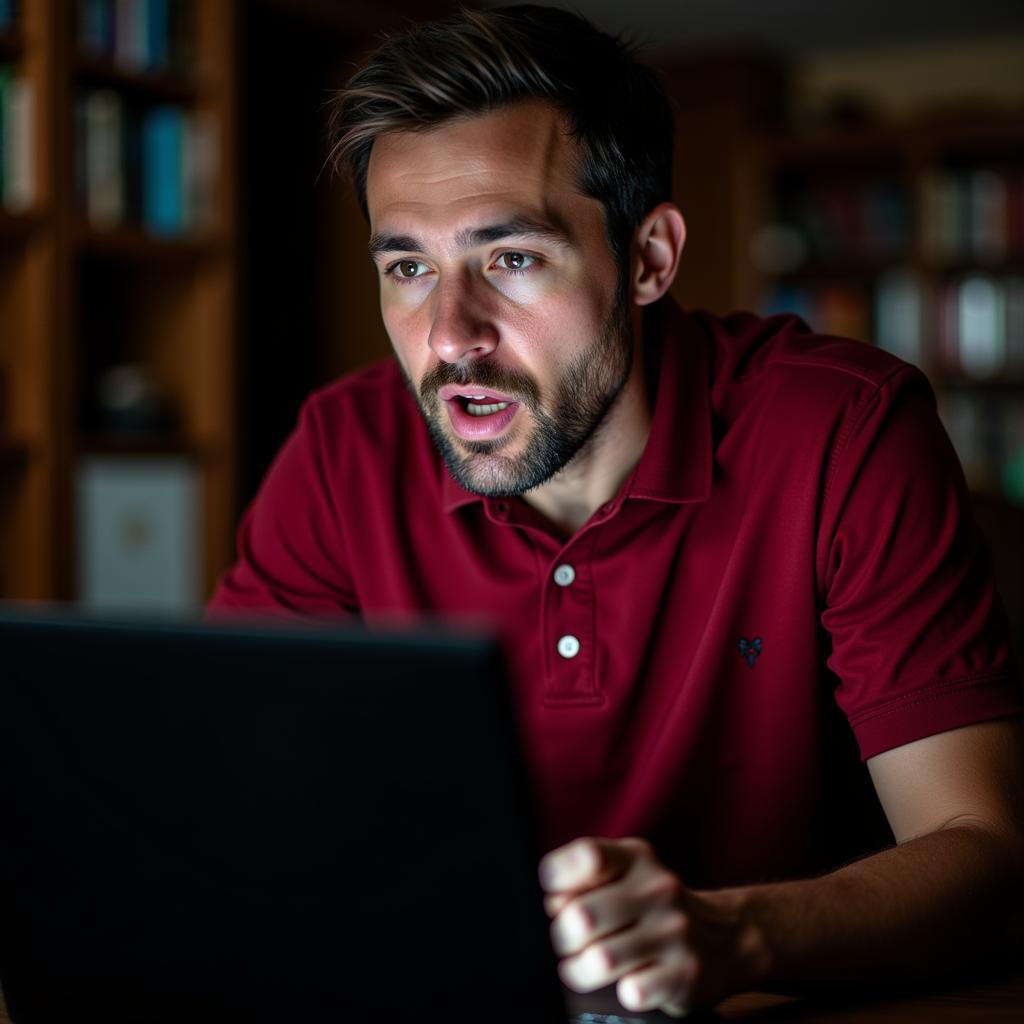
(933, 905)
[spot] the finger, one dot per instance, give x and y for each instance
(606, 960)
(585, 863)
(595, 914)
(554, 902)
(665, 986)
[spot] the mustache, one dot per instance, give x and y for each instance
(513, 383)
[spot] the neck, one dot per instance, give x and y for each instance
(599, 469)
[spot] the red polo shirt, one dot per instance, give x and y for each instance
(791, 566)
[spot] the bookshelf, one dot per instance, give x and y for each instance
(118, 277)
(777, 210)
(912, 235)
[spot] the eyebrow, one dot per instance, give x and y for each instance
(469, 238)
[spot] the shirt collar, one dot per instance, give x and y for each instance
(677, 459)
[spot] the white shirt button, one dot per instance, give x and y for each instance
(568, 646)
(564, 575)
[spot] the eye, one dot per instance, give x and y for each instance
(406, 270)
(516, 262)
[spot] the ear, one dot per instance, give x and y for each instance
(660, 240)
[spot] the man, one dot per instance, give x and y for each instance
(703, 538)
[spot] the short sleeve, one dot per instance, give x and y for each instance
(291, 556)
(918, 637)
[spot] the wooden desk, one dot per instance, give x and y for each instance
(997, 1001)
(1000, 1000)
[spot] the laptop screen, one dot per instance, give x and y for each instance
(264, 821)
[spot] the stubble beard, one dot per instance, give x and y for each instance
(583, 399)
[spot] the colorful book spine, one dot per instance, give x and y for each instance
(96, 27)
(974, 216)
(199, 171)
(19, 164)
(163, 201)
(6, 74)
(899, 310)
(157, 34)
(130, 35)
(103, 133)
(974, 336)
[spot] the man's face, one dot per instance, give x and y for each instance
(499, 293)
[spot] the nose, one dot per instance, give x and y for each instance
(461, 327)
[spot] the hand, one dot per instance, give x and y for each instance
(620, 916)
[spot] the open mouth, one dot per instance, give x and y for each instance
(478, 414)
(480, 405)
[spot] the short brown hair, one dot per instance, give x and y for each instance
(475, 61)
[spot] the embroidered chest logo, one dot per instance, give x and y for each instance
(750, 649)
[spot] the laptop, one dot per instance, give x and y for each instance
(256, 822)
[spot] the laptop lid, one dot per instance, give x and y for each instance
(264, 823)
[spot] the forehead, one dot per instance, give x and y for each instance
(515, 160)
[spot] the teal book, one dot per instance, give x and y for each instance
(156, 34)
(5, 82)
(163, 206)
(6, 15)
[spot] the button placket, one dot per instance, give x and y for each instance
(569, 626)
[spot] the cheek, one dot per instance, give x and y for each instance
(404, 331)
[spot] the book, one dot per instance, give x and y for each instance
(941, 217)
(131, 35)
(19, 152)
(987, 219)
(138, 530)
(95, 27)
(841, 310)
(1013, 288)
(200, 154)
(7, 15)
(163, 201)
(103, 132)
(6, 74)
(157, 34)
(981, 326)
(899, 315)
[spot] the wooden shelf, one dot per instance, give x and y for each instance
(75, 300)
(126, 443)
(13, 454)
(11, 47)
(963, 132)
(154, 86)
(854, 271)
(136, 244)
(998, 385)
(18, 225)
(964, 266)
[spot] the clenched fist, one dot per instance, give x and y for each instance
(620, 916)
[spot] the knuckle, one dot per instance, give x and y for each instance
(604, 956)
(676, 925)
(586, 917)
(639, 846)
(666, 887)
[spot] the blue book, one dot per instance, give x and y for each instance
(6, 15)
(163, 206)
(96, 27)
(156, 34)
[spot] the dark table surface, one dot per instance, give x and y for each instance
(996, 999)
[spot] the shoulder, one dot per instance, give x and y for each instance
(748, 346)
(778, 363)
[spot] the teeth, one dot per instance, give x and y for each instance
(485, 410)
